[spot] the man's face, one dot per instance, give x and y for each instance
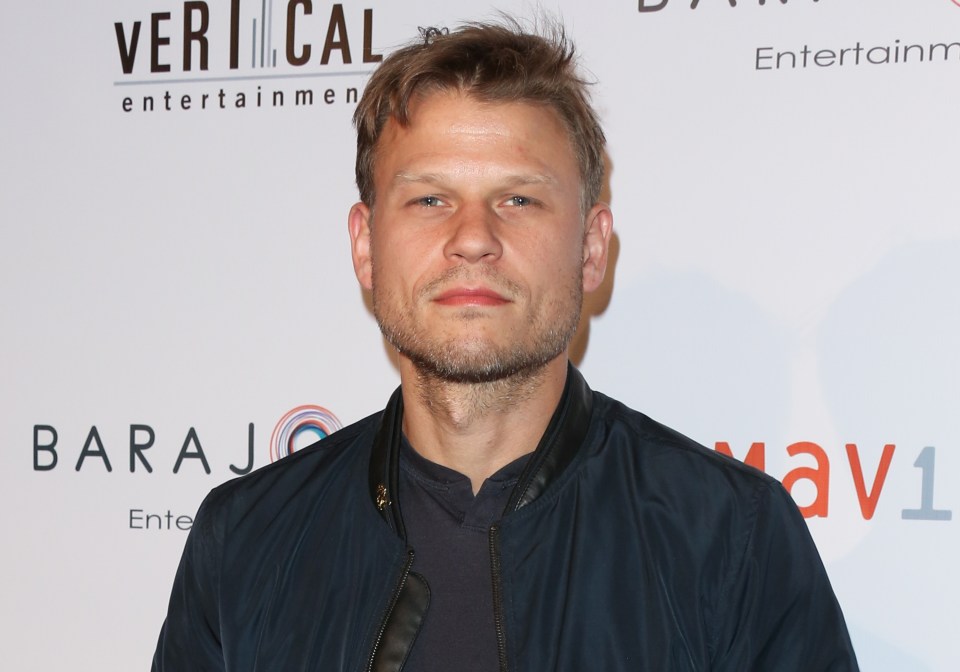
(476, 249)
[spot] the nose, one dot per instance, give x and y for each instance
(474, 235)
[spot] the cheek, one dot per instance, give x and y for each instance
(397, 264)
(558, 255)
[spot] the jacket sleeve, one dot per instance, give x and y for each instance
(778, 611)
(190, 636)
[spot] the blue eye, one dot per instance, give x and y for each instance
(428, 201)
(520, 201)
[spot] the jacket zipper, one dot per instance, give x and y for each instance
(498, 597)
(393, 603)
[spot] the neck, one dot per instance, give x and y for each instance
(478, 428)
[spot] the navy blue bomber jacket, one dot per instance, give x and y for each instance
(625, 546)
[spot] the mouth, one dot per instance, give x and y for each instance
(470, 296)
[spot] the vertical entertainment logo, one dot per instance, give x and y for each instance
(295, 32)
(198, 42)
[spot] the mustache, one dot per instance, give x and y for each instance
(487, 276)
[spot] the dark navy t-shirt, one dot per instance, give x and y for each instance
(449, 530)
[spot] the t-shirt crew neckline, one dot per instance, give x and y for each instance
(453, 491)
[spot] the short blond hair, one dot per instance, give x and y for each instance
(492, 62)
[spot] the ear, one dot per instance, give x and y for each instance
(596, 243)
(358, 223)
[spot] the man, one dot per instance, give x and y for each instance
(498, 514)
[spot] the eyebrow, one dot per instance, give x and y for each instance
(438, 179)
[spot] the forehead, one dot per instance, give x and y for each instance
(457, 127)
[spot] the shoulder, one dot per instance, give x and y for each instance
(687, 491)
(333, 464)
(657, 442)
(668, 463)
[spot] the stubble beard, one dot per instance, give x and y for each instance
(478, 360)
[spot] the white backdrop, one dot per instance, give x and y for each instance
(787, 265)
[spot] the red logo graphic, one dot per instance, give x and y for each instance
(312, 420)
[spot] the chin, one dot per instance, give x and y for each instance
(480, 363)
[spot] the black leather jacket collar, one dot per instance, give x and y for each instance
(558, 446)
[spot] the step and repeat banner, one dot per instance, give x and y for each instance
(178, 303)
